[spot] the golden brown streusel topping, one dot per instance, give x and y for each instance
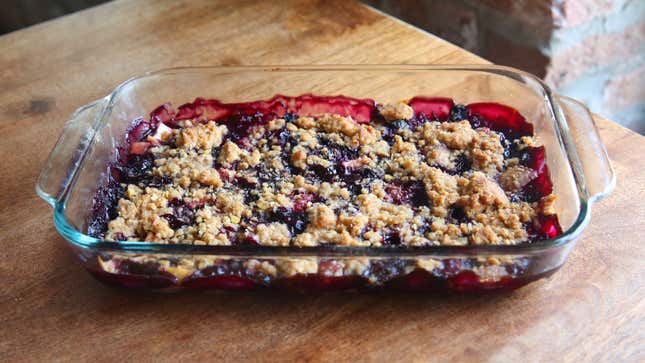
(304, 181)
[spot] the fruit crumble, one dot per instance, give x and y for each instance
(316, 170)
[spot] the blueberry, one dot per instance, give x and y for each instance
(354, 188)
(388, 134)
(337, 153)
(138, 268)
(462, 164)
(324, 173)
(525, 157)
(290, 117)
(457, 215)
(391, 238)
(531, 193)
(157, 181)
(267, 175)
(419, 120)
(515, 198)
(295, 221)
(407, 192)
(136, 168)
(384, 270)
(250, 197)
(104, 207)
(420, 197)
(476, 122)
(181, 214)
(372, 174)
(240, 125)
(399, 124)
(215, 154)
(246, 184)
(458, 113)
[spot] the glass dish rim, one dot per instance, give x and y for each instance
(85, 241)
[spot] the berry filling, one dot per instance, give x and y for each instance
(321, 170)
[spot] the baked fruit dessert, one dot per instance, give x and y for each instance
(314, 171)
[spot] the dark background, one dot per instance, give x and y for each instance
(17, 14)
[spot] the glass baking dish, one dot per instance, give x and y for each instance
(579, 166)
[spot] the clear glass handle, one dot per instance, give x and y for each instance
(599, 176)
(69, 152)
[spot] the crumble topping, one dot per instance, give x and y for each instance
(396, 111)
(310, 181)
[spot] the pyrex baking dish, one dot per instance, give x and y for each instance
(576, 157)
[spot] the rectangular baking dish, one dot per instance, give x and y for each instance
(580, 171)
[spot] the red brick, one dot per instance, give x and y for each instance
(594, 53)
(505, 52)
(626, 90)
(576, 12)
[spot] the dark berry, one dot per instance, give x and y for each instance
(388, 134)
(349, 175)
(137, 268)
(181, 215)
(355, 188)
(515, 198)
(104, 207)
(295, 221)
(156, 181)
(280, 138)
(399, 125)
(526, 158)
(392, 128)
(372, 174)
(453, 266)
(240, 125)
(385, 270)
(423, 228)
(462, 164)
(407, 192)
(457, 215)
(511, 149)
(137, 167)
(267, 175)
(335, 152)
(458, 113)
(290, 117)
(419, 119)
(391, 238)
(250, 197)
(246, 183)
(324, 173)
(475, 122)
(535, 190)
(215, 153)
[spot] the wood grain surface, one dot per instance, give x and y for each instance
(52, 310)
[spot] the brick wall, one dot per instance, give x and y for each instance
(593, 50)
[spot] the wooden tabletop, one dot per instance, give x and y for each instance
(593, 309)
